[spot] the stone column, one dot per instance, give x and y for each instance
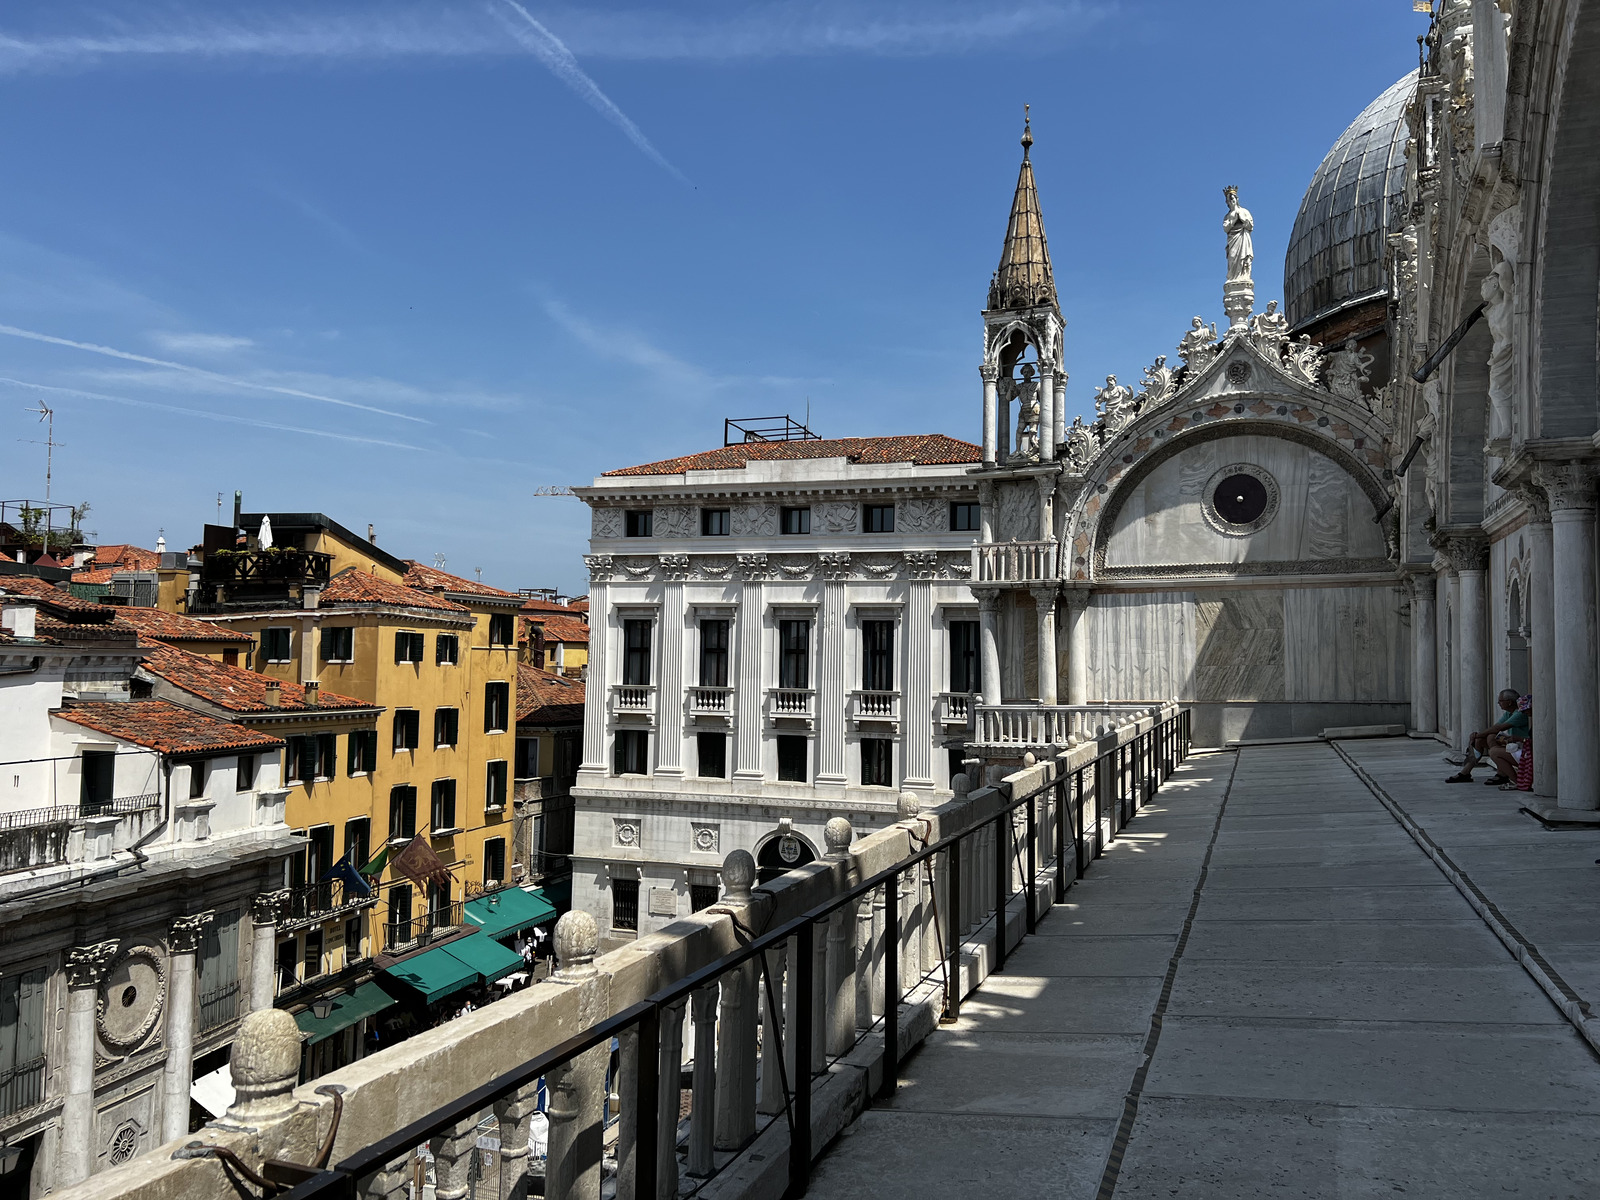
(773, 1067)
(736, 1032)
(989, 642)
(703, 1112)
(843, 1002)
(452, 1160)
(627, 1093)
(1044, 603)
(752, 616)
(669, 684)
(1444, 615)
(1077, 606)
(986, 505)
(916, 716)
(991, 413)
(835, 571)
(1540, 616)
(1060, 378)
(1572, 511)
(515, 1114)
(1424, 656)
(266, 910)
(178, 1073)
(575, 1092)
(599, 677)
(1469, 556)
(86, 968)
(859, 967)
(1047, 413)
(1458, 738)
(671, 1073)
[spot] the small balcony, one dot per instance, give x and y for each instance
(792, 705)
(711, 703)
(231, 578)
(1045, 726)
(318, 902)
(22, 1086)
(219, 1006)
(954, 709)
(46, 837)
(633, 701)
(875, 709)
(1015, 562)
(409, 933)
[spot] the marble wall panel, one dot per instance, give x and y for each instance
(1019, 648)
(1346, 644)
(1239, 646)
(1141, 646)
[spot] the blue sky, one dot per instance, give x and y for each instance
(404, 262)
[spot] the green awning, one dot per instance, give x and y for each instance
(508, 910)
(367, 1000)
(486, 956)
(434, 973)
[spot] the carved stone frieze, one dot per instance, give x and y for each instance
(759, 519)
(921, 515)
(674, 521)
(795, 566)
(837, 516)
(713, 568)
(607, 522)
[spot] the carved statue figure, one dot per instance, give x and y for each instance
(1198, 346)
(1238, 225)
(1027, 391)
(1114, 403)
(1304, 359)
(1156, 386)
(1498, 295)
(1347, 369)
(1081, 445)
(1270, 330)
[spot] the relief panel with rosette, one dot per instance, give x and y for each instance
(132, 998)
(1239, 499)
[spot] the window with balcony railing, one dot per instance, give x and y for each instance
(794, 654)
(964, 657)
(636, 652)
(877, 656)
(22, 1034)
(714, 653)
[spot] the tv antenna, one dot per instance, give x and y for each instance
(47, 415)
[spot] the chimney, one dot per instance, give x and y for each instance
(372, 534)
(17, 620)
(438, 589)
(310, 597)
(313, 693)
(274, 694)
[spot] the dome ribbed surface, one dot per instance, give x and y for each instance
(1336, 252)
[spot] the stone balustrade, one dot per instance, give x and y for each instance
(1042, 726)
(927, 936)
(1015, 562)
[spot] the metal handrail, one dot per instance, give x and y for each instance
(1135, 770)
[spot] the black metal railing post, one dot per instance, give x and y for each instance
(891, 988)
(1033, 865)
(1062, 801)
(1002, 884)
(952, 1000)
(800, 1130)
(1077, 825)
(647, 1105)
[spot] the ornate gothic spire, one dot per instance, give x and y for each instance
(1024, 279)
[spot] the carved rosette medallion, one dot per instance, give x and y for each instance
(705, 839)
(132, 998)
(627, 832)
(1226, 520)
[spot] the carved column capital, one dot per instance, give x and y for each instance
(752, 568)
(834, 565)
(1537, 501)
(675, 567)
(989, 371)
(1044, 593)
(268, 907)
(1568, 485)
(922, 564)
(601, 567)
(186, 932)
(87, 965)
(988, 598)
(1076, 599)
(1464, 553)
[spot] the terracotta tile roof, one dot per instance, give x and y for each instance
(547, 697)
(232, 688)
(922, 449)
(97, 574)
(126, 556)
(354, 586)
(102, 632)
(428, 578)
(4, 557)
(534, 606)
(7, 638)
(175, 627)
(166, 727)
(50, 596)
(561, 629)
(581, 604)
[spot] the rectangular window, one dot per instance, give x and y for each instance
(444, 804)
(965, 516)
(446, 649)
(714, 653)
(230, 658)
(496, 706)
(313, 953)
(98, 781)
(288, 964)
(494, 861)
(197, 780)
(795, 520)
(399, 931)
(527, 758)
(715, 522)
(494, 793)
(339, 643)
(877, 656)
(358, 841)
(319, 854)
(503, 629)
(352, 939)
(793, 753)
(22, 1036)
(402, 812)
(407, 728)
(636, 653)
(638, 522)
(327, 755)
(632, 753)
(408, 647)
(877, 518)
(219, 971)
(964, 657)
(713, 749)
(446, 723)
(294, 759)
(363, 758)
(794, 654)
(877, 762)
(702, 895)
(244, 773)
(275, 644)
(625, 904)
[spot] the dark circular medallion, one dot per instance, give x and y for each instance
(1240, 499)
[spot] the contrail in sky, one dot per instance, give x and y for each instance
(230, 380)
(553, 53)
(208, 415)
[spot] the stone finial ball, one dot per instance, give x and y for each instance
(837, 835)
(266, 1050)
(1030, 759)
(738, 875)
(577, 939)
(960, 784)
(909, 805)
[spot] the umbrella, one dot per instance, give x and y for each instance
(265, 537)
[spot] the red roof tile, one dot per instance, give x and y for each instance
(166, 727)
(126, 556)
(428, 578)
(49, 595)
(354, 586)
(232, 688)
(175, 627)
(533, 605)
(561, 629)
(581, 604)
(922, 449)
(546, 697)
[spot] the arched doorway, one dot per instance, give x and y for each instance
(782, 852)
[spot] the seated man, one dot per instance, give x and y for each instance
(1494, 742)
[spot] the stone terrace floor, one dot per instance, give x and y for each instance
(1340, 1021)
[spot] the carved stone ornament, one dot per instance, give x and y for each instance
(755, 520)
(1157, 386)
(87, 965)
(1304, 360)
(1569, 485)
(956, 564)
(1220, 521)
(1114, 403)
(675, 566)
(1270, 331)
(988, 598)
(1464, 553)
(601, 567)
(1081, 443)
(1198, 348)
(753, 567)
(268, 908)
(674, 521)
(717, 568)
(627, 832)
(705, 839)
(132, 998)
(920, 515)
(187, 932)
(1348, 370)
(1538, 503)
(607, 522)
(1239, 372)
(879, 566)
(922, 564)
(834, 564)
(637, 568)
(837, 516)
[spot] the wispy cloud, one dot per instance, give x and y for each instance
(204, 414)
(199, 343)
(215, 377)
(625, 345)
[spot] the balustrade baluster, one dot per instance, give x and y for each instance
(736, 1059)
(703, 1112)
(772, 1035)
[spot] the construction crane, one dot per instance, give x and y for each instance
(552, 489)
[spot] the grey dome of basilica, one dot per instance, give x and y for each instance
(1336, 250)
